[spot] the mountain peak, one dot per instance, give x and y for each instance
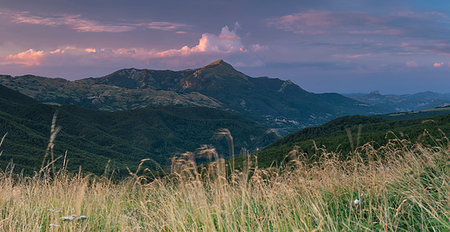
(217, 62)
(220, 68)
(220, 64)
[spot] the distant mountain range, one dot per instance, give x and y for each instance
(403, 103)
(275, 103)
(417, 114)
(92, 137)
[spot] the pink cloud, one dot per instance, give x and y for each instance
(354, 56)
(385, 31)
(432, 47)
(90, 50)
(438, 64)
(310, 18)
(80, 24)
(27, 58)
(314, 22)
(411, 64)
(73, 21)
(320, 22)
(226, 42)
(258, 47)
(57, 51)
(165, 26)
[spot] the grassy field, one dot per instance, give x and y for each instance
(406, 191)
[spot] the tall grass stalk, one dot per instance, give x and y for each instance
(406, 190)
(54, 130)
(1, 142)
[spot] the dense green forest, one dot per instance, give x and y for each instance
(92, 138)
(345, 134)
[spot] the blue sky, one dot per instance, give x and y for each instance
(323, 45)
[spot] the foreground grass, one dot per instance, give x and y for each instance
(407, 191)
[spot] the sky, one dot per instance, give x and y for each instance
(344, 46)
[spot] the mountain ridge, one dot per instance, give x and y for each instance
(404, 102)
(273, 102)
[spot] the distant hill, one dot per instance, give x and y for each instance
(93, 137)
(334, 135)
(403, 103)
(272, 102)
(417, 114)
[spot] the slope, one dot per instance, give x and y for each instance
(335, 135)
(124, 137)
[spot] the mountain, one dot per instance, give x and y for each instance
(403, 103)
(275, 103)
(99, 96)
(92, 137)
(417, 114)
(334, 135)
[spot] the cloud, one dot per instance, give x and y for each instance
(314, 22)
(226, 42)
(258, 47)
(166, 26)
(410, 24)
(438, 64)
(419, 32)
(29, 57)
(354, 56)
(73, 21)
(78, 23)
(411, 64)
(60, 56)
(431, 46)
(90, 50)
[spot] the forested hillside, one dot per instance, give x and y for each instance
(344, 134)
(92, 138)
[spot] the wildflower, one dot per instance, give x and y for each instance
(68, 218)
(73, 217)
(54, 211)
(356, 202)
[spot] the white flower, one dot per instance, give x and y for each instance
(73, 217)
(54, 211)
(356, 202)
(68, 218)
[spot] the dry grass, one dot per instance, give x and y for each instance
(407, 191)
